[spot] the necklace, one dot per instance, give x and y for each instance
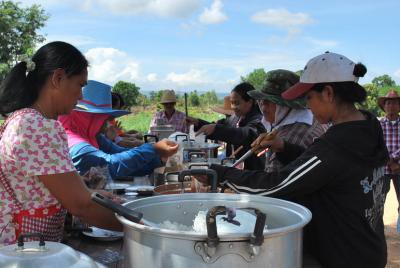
(38, 108)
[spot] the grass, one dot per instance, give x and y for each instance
(141, 117)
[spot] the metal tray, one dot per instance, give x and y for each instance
(103, 234)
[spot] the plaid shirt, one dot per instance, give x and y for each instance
(297, 133)
(178, 120)
(391, 134)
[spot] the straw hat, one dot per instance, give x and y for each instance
(168, 96)
(226, 109)
(392, 94)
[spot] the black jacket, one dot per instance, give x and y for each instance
(249, 129)
(340, 179)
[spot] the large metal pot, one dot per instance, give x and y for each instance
(43, 254)
(279, 246)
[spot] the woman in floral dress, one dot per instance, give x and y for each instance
(38, 181)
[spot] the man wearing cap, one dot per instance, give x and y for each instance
(391, 133)
(169, 116)
(289, 118)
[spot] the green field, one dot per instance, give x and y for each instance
(140, 118)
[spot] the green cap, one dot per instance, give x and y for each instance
(276, 82)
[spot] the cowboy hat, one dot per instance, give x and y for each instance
(276, 82)
(392, 94)
(168, 96)
(97, 99)
(226, 109)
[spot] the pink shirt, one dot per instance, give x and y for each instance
(178, 120)
(31, 145)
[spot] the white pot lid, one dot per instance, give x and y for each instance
(51, 255)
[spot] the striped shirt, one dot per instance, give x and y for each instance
(391, 135)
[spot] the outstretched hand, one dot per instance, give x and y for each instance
(206, 129)
(166, 148)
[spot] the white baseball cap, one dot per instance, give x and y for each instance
(325, 68)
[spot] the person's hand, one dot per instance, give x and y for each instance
(111, 132)
(166, 148)
(206, 129)
(192, 121)
(394, 166)
(268, 140)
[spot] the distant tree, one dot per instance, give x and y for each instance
(209, 98)
(18, 32)
(383, 81)
(299, 72)
(129, 91)
(371, 102)
(143, 100)
(155, 96)
(194, 99)
(256, 78)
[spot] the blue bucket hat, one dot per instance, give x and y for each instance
(97, 99)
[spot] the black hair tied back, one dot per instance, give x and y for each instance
(359, 70)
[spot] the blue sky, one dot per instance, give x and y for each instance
(208, 44)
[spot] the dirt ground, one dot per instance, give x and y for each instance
(392, 237)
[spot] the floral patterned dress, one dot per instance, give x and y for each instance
(31, 145)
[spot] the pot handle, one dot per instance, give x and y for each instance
(117, 208)
(147, 136)
(210, 173)
(20, 243)
(181, 135)
(256, 239)
(198, 165)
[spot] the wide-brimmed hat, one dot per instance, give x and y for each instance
(226, 109)
(168, 96)
(325, 68)
(97, 99)
(276, 82)
(392, 95)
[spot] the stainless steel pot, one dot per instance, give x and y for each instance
(43, 254)
(146, 246)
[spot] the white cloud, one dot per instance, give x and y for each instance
(160, 8)
(152, 77)
(193, 76)
(322, 43)
(281, 18)
(214, 14)
(110, 65)
(397, 73)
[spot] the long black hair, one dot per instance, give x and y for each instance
(242, 89)
(21, 87)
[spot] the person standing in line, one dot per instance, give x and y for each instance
(391, 133)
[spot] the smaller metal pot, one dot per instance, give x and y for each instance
(183, 186)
